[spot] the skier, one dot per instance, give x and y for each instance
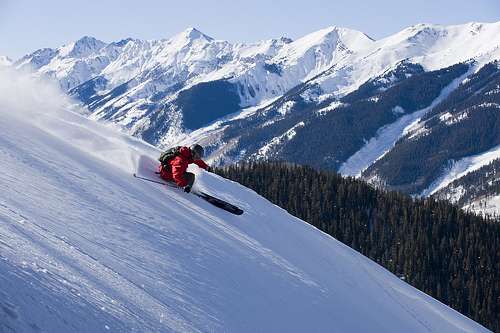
(174, 164)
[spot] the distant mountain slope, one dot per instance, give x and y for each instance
(478, 190)
(327, 134)
(84, 246)
(464, 124)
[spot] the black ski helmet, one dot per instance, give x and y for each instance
(197, 151)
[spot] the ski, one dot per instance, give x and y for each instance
(219, 203)
(207, 197)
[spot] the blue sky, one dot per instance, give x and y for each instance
(26, 25)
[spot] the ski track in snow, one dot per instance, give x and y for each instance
(86, 247)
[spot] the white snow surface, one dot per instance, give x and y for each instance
(86, 247)
(461, 168)
(485, 206)
(430, 45)
(332, 106)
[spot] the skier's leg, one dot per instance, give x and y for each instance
(165, 173)
(189, 176)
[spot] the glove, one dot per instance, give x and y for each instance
(209, 169)
(187, 189)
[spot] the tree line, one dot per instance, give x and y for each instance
(452, 255)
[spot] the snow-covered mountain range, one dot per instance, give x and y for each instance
(86, 247)
(151, 85)
(271, 99)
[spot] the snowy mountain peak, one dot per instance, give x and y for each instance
(285, 40)
(88, 40)
(475, 26)
(193, 34)
(37, 59)
(318, 37)
(122, 42)
(5, 61)
(83, 47)
(437, 30)
(318, 51)
(326, 40)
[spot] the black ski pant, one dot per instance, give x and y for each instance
(189, 176)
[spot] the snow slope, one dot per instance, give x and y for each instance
(461, 168)
(431, 45)
(85, 247)
(485, 206)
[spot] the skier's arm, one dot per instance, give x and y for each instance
(201, 164)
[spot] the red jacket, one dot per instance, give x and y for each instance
(178, 166)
